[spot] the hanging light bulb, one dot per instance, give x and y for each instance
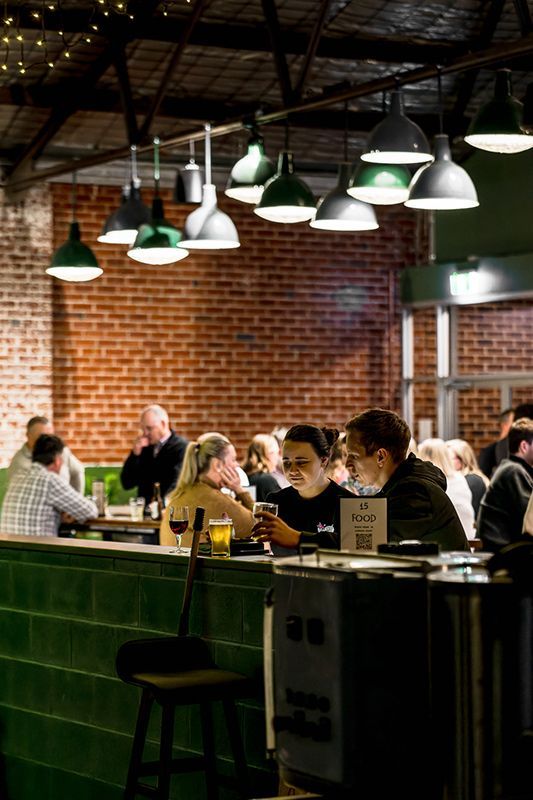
(249, 175)
(396, 139)
(121, 226)
(189, 181)
(158, 241)
(380, 184)
(286, 198)
(74, 261)
(207, 227)
(340, 212)
(497, 127)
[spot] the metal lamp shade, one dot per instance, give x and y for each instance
(397, 140)
(442, 185)
(209, 228)
(122, 225)
(286, 198)
(340, 212)
(497, 127)
(158, 241)
(250, 173)
(74, 261)
(380, 184)
(189, 182)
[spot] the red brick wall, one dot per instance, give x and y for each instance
(25, 317)
(237, 341)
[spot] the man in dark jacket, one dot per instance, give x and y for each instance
(501, 513)
(417, 504)
(156, 455)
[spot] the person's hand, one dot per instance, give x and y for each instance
(67, 518)
(270, 528)
(230, 479)
(140, 442)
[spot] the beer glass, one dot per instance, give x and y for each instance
(220, 534)
(137, 509)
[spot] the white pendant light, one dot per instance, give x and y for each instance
(340, 212)
(397, 140)
(207, 227)
(442, 185)
(497, 127)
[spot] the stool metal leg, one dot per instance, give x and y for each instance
(137, 749)
(208, 737)
(165, 751)
(237, 748)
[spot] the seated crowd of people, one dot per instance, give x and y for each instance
(436, 492)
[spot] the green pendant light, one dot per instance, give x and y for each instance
(122, 225)
(380, 184)
(286, 198)
(250, 173)
(397, 140)
(207, 227)
(497, 127)
(158, 241)
(74, 261)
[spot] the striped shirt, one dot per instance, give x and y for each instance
(35, 500)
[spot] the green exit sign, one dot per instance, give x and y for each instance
(465, 282)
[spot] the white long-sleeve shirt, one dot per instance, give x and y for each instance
(72, 471)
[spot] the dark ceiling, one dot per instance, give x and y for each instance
(124, 71)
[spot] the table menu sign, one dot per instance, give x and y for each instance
(363, 522)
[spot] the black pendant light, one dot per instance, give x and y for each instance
(122, 225)
(397, 139)
(74, 261)
(498, 125)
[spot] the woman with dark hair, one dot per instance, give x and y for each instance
(308, 509)
(261, 461)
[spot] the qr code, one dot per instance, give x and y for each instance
(363, 541)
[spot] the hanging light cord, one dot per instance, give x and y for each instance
(346, 131)
(191, 151)
(157, 171)
(441, 107)
(134, 175)
(73, 196)
(207, 128)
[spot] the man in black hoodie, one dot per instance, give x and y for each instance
(417, 504)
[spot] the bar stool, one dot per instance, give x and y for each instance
(176, 671)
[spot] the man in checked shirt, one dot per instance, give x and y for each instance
(36, 498)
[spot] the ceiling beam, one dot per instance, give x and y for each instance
(493, 55)
(126, 96)
(314, 41)
(282, 68)
(524, 16)
(248, 38)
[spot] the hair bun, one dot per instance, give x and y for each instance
(331, 434)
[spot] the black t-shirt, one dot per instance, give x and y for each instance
(317, 517)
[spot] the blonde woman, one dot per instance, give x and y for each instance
(208, 466)
(465, 462)
(458, 490)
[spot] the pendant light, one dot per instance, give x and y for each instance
(286, 197)
(442, 185)
(207, 227)
(249, 175)
(74, 261)
(397, 140)
(497, 127)
(380, 184)
(122, 225)
(189, 181)
(340, 212)
(158, 241)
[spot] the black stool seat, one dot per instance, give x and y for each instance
(176, 671)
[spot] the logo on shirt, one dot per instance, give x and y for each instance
(321, 528)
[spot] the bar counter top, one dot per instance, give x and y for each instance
(66, 605)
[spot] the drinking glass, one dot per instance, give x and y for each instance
(178, 520)
(273, 509)
(220, 531)
(137, 508)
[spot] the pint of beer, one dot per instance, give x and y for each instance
(220, 535)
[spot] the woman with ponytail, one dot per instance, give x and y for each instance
(208, 466)
(308, 509)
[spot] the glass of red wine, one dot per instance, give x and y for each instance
(178, 520)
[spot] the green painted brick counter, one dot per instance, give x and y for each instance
(66, 721)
